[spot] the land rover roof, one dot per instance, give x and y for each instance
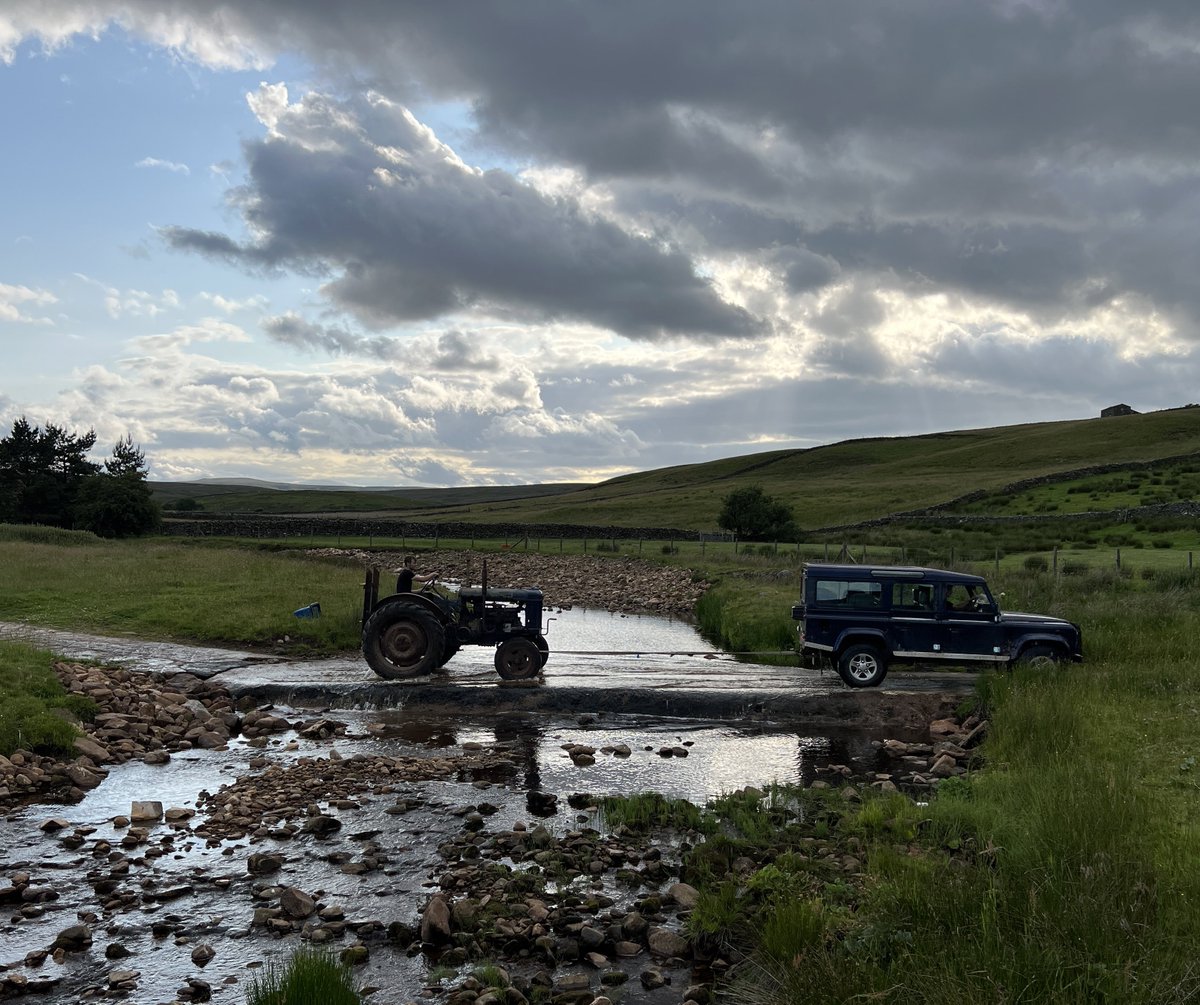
(907, 572)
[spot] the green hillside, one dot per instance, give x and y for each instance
(837, 484)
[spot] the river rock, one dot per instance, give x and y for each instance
(296, 903)
(263, 863)
(684, 895)
(75, 939)
(435, 922)
(144, 811)
(653, 978)
(81, 776)
(92, 750)
(202, 955)
(664, 942)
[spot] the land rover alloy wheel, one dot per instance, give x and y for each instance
(862, 666)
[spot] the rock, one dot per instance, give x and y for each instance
(81, 776)
(944, 766)
(435, 922)
(664, 942)
(116, 951)
(296, 903)
(93, 750)
(683, 895)
(353, 956)
(202, 955)
(263, 863)
(322, 826)
(75, 939)
(572, 982)
(626, 949)
(145, 811)
(652, 979)
(54, 825)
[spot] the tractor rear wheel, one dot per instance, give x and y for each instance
(518, 659)
(403, 640)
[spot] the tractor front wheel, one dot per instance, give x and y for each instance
(518, 659)
(403, 640)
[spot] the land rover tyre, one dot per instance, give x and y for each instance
(862, 665)
(543, 647)
(1039, 657)
(518, 659)
(403, 640)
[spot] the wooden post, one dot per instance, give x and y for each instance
(826, 551)
(1054, 561)
(539, 546)
(735, 544)
(560, 545)
(997, 561)
(585, 545)
(1118, 559)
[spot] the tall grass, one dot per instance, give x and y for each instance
(310, 977)
(1064, 871)
(39, 534)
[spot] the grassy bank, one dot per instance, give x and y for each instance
(162, 589)
(35, 709)
(1061, 872)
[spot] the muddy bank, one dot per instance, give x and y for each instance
(621, 583)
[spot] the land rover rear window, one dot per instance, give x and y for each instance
(843, 593)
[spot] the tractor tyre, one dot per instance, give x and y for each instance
(543, 647)
(403, 640)
(518, 659)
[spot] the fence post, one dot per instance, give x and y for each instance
(1189, 560)
(1118, 559)
(735, 544)
(560, 545)
(539, 546)
(997, 561)
(585, 545)
(1054, 561)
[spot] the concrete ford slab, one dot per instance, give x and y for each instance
(863, 619)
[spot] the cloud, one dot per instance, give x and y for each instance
(173, 166)
(14, 301)
(419, 235)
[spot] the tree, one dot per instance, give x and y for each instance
(119, 502)
(41, 472)
(750, 513)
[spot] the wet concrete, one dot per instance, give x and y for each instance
(741, 724)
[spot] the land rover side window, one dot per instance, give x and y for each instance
(965, 598)
(842, 593)
(912, 597)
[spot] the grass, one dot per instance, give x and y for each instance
(170, 590)
(309, 977)
(36, 712)
(1061, 873)
(833, 485)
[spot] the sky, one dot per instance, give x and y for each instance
(382, 242)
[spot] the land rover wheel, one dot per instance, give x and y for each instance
(518, 659)
(403, 640)
(1039, 657)
(862, 666)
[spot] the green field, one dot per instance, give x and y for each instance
(827, 486)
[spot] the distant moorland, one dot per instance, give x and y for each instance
(832, 485)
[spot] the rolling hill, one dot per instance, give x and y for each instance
(836, 484)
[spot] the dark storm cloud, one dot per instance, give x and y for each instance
(365, 192)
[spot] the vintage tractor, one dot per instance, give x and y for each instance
(409, 634)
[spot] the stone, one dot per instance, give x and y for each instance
(202, 955)
(54, 825)
(75, 939)
(944, 766)
(572, 982)
(263, 863)
(85, 778)
(683, 895)
(296, 903)
(354, 956)
(435, 922)
(652, 979)
(144, 811)
(664, 942)
(93, 750)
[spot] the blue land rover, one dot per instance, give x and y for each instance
(862, 619)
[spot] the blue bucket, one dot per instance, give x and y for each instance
(311, 611)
